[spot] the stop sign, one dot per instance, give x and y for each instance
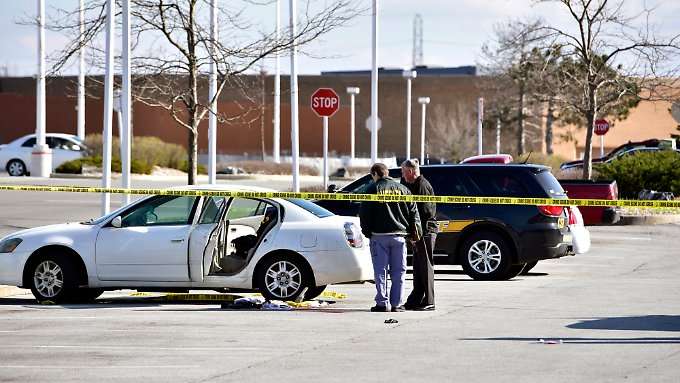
(325, 102)
(601, 127)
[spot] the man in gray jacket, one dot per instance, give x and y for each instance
(387, 224)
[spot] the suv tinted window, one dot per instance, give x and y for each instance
(492, 184)
(447, 181)
(549, 183)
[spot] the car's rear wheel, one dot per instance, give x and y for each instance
(283, 278)
(485, 256)
(528, 267)
(16, 168)
(53, 278)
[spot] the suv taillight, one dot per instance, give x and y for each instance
(551, 211)
(353, 235)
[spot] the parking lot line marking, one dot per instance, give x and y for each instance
(89, 367)
(142, 348)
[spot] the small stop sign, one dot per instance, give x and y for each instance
(325, 102)
(601, 127)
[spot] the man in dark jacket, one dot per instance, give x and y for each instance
(422, 296)
(387, 224)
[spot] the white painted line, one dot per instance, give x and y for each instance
(89, 367)
(142, 348)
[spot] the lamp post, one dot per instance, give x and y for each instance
(423, 101)
(480, 120)
(126, 105)
(212, 99)
(108, 106)
(352, 91)
(41, 155)
(81, 74)
(294, 122)
(276, 142)
(409, 75)
(374, 86)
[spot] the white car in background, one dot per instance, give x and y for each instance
(277, 246)
(15, 157)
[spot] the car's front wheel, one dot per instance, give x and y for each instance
(16, 168)
(283, 278)
(485, 256)
(53, 278)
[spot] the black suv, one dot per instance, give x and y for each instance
(491, 242)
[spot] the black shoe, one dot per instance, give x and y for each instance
(379, 309)
(425, 308)
(398, 309)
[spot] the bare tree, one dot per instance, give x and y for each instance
(173, 50)
(450, 129)
(610, 56)
(513, 56)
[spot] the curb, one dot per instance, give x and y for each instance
(6, 291)
(648, 219)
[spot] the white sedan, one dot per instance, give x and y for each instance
(15, 157)
(280, 247)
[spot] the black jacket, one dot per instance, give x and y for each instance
(426, 210)
(400, 218)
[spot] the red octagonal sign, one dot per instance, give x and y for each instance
(325, 102)
(601, 127)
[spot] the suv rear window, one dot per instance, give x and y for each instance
(550, 184)
(498, 184)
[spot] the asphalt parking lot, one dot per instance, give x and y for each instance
(610, 315)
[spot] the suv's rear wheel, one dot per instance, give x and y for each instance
(485, 256)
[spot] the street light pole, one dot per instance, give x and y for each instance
(276, 142)
(480, 119)
(108, 106)
(294, 125)
(126, 104)
(212, 91)
(81, 74)
(374, 86)
(498, 136)
(409, 75)
(41, 156)
(352, 91)
(423, 101)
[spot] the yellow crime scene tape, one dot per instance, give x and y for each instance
(350, 196)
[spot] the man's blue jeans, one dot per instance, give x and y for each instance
(388, 252)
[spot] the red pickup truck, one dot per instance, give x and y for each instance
(586, 189)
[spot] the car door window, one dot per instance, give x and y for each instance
(447, 182)
(242, 207)
(211, 210)
(29, 143)
(161, 211)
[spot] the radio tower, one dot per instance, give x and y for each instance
(417, 40)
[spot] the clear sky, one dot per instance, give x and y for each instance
(453, 31)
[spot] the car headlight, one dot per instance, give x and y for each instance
(8, 245)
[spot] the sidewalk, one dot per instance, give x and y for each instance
(7, 291)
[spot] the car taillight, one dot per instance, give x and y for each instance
(353, 235)
(572, 217)
(551, 211)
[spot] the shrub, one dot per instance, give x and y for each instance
(551, 161)
(147, 151)
(76, 166)
(184, 166)
(262, 167)
(654, 170)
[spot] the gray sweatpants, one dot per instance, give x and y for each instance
(388, 252)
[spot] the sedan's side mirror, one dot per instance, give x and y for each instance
(117, 222)
(76, 148)
(332, 188)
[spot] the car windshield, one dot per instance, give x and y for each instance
(310, 207)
